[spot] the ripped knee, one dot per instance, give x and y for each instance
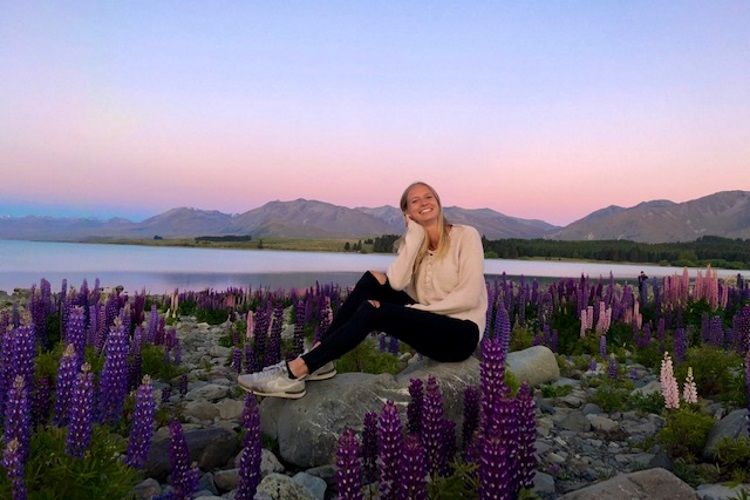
(381, 277)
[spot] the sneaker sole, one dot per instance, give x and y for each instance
(285, 395)
(321, 376)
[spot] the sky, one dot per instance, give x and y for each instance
(536, 109)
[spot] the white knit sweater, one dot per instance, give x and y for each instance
(452, 285)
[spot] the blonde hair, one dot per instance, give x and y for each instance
(443, 226)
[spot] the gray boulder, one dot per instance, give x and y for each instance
(307, 430)
(209, 392)
(732, 426)
(651, 484)
(202, 410)
(535, 365)
(211, 448)
(146, 489)
(315, 485)
(722, 492)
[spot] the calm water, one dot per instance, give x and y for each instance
(161, 269)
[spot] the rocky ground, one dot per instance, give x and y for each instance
(579, 445)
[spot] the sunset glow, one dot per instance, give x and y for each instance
(537, 110)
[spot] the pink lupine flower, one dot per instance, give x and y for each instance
(689, 390)
(669, 387)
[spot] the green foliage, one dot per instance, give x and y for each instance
(53, 329)
(610, 398)
(153, 363)
(646, 403)
(51, 473)
(696, 474)
(187, 308)
(713, 369)
(94, 359)
(620, 334)
(368, 359)
(568, 327)
(734, 455)
(649, 356)
(520, 338)
(460, 483)
(556, 391)
(48, 362)
(512, 382)
(212, 316)
(685, 433)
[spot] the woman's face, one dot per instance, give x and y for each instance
(421, 205)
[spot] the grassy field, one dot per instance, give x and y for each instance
(293, 244)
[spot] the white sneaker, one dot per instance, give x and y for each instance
(323, 373)
(273, 381)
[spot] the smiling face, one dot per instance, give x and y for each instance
(422, 205)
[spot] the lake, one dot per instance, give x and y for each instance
(161, 269)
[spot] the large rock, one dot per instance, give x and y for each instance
(307, 429)
(722, 492)
(535, 365)
(651, 484)
(211, 448)
(732, 426)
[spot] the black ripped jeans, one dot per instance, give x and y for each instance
(436, 336)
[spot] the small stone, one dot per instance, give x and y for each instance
(202, 410)
(210, 392)
(543, 484)
(283, 487)
(601, 423)
(227, 479)
(591, 409)
(719, 491)
(230, 409)
(218, 351)
(315, 485)
(147, 489)
(575, 421)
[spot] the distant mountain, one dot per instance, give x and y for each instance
(725, 214)
(307, 219)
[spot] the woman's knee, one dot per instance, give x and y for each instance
(380, 277)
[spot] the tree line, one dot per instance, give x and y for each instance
(719, 252)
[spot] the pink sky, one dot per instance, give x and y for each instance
(545, 114)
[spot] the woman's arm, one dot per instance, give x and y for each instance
(471, 285)
(400, 271)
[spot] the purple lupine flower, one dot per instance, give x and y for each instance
(680, 344)
(114, 378)
(432, 421)
(153, 324)
(184, 477)
(348, 467)
(471, 415)
(75, 333)
(747, 387)
(495, 475)
(412, 471)
(612, 367)
(492, 380)
(66, 376)
(139, 441)
(393, 345)
(527, 461)
(249, 474)
(370, 446)
(273, 348)
(382, 347)
(415, 408)
(390, 443)
(741, 327)
(502, 327)
(14, 467)
(183, 384)
(603, 346)
(24, 353)
(716, 332)
(237, 360)
(593, 365)
(81, 413)
(17, 422)
(298, 340)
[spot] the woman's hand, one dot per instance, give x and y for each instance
(374, 303)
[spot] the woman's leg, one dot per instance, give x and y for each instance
(436, 336)
(367, 288)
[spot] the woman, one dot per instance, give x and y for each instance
(433, 297)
